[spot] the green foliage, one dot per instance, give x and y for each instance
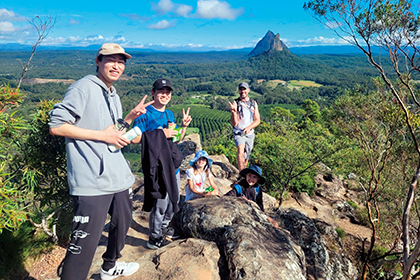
(221, 143)
(352, 204)
(12, 206)
(9, 97)
(288, 151)
(379, 153)
(341, 233)
(43, 160)
(135, 161)
(41, 170)
(197, 77)
(17, 246)
(265, 109)
(12, 202)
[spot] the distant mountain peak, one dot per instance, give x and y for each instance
(270, 43)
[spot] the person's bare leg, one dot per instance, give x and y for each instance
(241, 157)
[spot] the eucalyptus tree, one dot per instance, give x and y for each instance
(390, 28)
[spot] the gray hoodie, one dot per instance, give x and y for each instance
(91, 168)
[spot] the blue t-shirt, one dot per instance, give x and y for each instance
(154, 119)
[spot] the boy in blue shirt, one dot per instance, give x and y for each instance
(158, 117)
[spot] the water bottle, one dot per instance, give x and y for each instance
(121, 125)
(129, 135)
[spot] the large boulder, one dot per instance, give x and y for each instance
(324, 254)
(252, 247)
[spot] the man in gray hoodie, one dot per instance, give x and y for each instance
(100, 180)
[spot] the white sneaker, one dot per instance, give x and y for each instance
(120, 269)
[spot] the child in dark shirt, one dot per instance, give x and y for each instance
(249, 187)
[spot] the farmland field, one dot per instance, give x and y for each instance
(303, 83)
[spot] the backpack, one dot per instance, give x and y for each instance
(239, 108)
(239, 190)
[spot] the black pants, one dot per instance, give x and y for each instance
(90, 213)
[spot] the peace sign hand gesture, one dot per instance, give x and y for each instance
(138, 110)
(232, 107)
(186, 118)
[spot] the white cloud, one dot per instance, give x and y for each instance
(217, 9)
(6, 15)
(163, 7)
(323, 41)
(73, 22)
(167, 6)
(6, 26)
(163, 24)
(183, 10)
(94, 39)
(315, 41)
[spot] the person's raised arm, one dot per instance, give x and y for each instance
(233, 113)
(138, 110)
(108, 135)
(186, 120)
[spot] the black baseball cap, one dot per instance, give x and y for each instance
(243, 85)
(161, 83)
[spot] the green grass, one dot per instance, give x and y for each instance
(352, 204)
(302, 83)
(341, 233)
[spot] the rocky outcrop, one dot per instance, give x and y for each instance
(269, 43)
(324, 253)
(251, 246)
(231, 238)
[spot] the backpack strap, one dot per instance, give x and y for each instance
(238, 189)
(257, 191)
(239, 108)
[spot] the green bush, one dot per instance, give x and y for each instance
(352, 204)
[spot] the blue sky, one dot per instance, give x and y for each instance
(195, 24)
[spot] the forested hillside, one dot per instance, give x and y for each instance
(208, 79)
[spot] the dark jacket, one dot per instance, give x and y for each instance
(248, 192)
(160, 158)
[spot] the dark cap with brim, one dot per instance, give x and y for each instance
(243, 85)
(161, 83)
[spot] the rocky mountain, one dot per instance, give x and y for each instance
(269, 43)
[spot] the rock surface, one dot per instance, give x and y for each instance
(252, 248)
(231, 238)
